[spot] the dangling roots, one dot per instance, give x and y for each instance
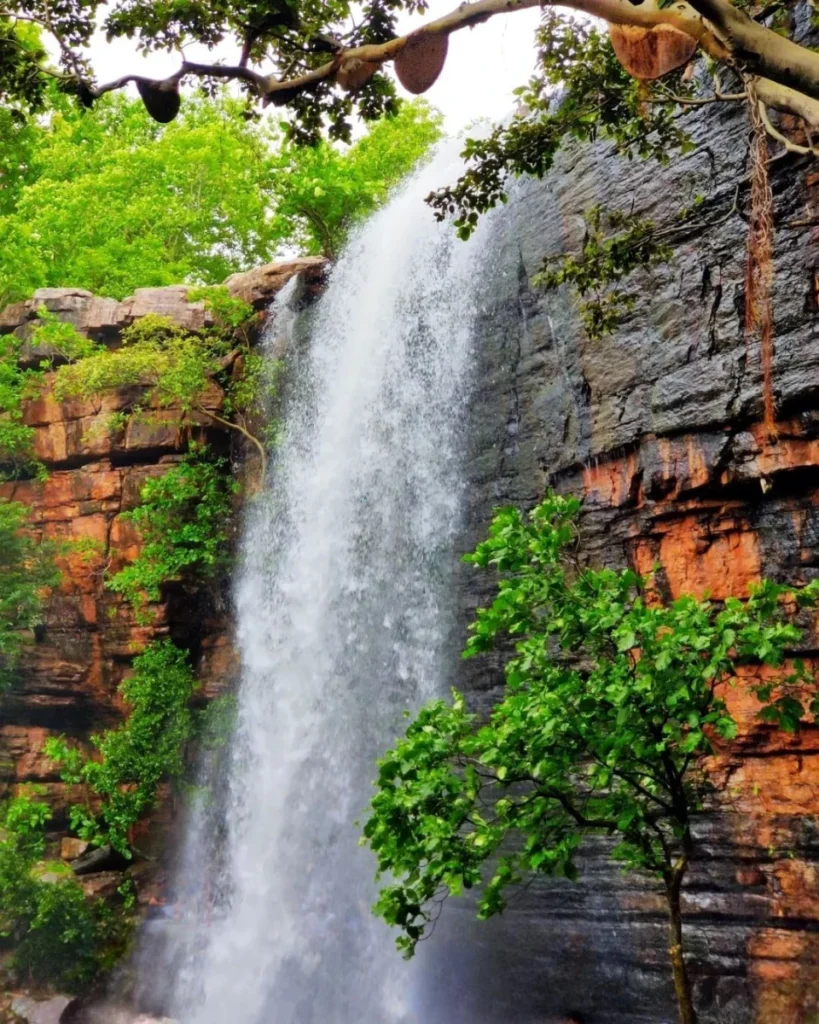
(759, 267)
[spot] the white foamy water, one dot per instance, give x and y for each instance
(344, 621)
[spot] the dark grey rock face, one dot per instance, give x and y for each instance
(657, 427)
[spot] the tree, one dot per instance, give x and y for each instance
(321, 191)
(612, 700)
(114, 201)
(117, 202)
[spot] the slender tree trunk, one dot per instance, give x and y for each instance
(682, 983)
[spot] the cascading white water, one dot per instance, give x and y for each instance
(343, 622)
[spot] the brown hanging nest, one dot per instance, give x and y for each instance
(161, 99)
(648, 53)
(353, 73)
(421, 61)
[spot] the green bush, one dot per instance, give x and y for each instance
(132, 760)
(183, 522)
(59, 937)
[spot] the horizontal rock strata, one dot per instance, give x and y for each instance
(657, 427)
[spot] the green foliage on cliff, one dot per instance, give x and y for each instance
(26, 572)
(615, 244)
(16, 384)
(612, 699)
(113, 201)
(191, 373)
(58, 936)
(55, 340)
(187, 378)
(182, 518)
(130, 762)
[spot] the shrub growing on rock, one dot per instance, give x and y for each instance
(59, 937)
(131, 761)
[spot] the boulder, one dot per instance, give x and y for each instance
(71, 848)
(45, 1011)
(257, 287)
(101, 884)
(99, 858)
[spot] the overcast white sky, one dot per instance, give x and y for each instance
(484, 64)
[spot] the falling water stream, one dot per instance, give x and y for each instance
(344, 621)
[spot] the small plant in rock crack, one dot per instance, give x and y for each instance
(615, 244)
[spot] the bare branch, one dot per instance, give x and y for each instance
(233, 425)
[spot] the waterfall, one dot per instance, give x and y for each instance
(344, 622)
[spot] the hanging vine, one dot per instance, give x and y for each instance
(759, 263)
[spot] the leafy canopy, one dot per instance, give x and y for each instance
(324, 59)
(114, 201)
(580, 92)
(611, 701)
(321, 192)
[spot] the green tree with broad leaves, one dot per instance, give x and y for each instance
(612, 700)
(322, 191)
(327, 61)
(114, 201)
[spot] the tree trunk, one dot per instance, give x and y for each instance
(682, 984)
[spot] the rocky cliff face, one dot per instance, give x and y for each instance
(658, 428)
(71, 671)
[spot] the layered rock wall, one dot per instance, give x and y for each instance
(657, 427)
(72, 669)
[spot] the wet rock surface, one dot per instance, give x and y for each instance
(657, 428)
(38, 1011)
